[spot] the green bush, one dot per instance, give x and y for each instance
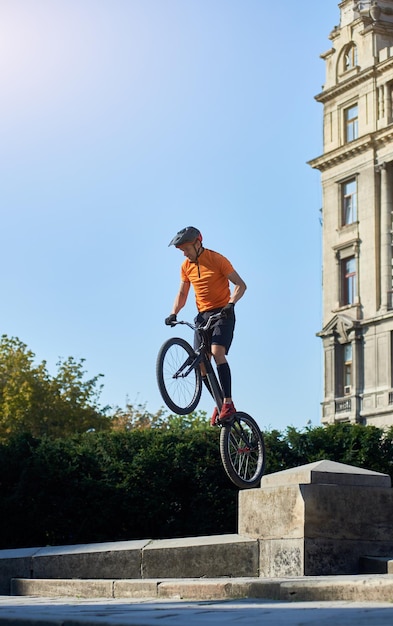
(113, 486)
(362, 446)
(150, 483)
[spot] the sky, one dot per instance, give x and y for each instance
(121, 122)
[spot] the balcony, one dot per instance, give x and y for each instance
(343, 405)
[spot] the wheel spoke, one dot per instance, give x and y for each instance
(242, 450)
(180, 386)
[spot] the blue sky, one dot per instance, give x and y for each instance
(123, 121)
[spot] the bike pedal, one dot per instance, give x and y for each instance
(227, 421)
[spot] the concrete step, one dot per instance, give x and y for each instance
(208, 557)
(352, 588)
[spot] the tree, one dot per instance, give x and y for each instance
(31, 401)
(137, 417)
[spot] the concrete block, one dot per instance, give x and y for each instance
(322, 525)
(329, 511)
(338, 589)
(14, 563)
(272, 512)
(281, 557)
(324, 557)
(219, 589)
(135, 588)
(212, 556)
(122, 559)
(327, 473)
(62, 588)
(197, 589)
(347, 512)
(371, 588)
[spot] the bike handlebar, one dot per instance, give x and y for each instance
(211, 319)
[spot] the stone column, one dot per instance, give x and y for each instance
(388, 103)
(357, 374)
(319, 519)
(386, 238)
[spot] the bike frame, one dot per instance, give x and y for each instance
(242, 447)
(203, 357)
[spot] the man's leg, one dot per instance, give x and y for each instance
(223, 371)
(224, 375)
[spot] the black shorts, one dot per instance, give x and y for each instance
(222, 331)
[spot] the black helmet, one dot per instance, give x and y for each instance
(186, 235)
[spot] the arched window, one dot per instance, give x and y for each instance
(350, 57)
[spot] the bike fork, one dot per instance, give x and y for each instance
(191, 363)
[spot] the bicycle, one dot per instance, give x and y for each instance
(179, 379)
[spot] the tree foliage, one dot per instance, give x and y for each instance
(32, 401)
(368, 447)
(136, 417)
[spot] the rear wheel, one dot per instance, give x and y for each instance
(242, 451)
(179, 381)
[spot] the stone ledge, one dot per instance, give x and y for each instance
(210, 556)
(196, 557)
(377, 588)
(327, 473)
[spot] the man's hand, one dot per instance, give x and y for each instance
(171, 319)
(228, 310)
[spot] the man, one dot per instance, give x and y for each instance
(210, 274)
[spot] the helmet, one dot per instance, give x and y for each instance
(186, 235)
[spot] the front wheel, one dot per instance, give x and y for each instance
(179, 376)
(242, 451)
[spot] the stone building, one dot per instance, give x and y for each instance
(357, 188)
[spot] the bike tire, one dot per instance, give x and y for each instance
(242, 450)
(181, 395)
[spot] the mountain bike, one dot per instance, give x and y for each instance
(179, 379)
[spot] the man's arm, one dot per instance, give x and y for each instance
(181, 297)
(240, 287)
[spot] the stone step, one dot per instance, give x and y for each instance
(314, 520)
(353, 588)
(199, 557)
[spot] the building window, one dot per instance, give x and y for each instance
(344, 376)
(349, 201)
(351, 123)
(347, 368)
(350, 57)
(348, 281)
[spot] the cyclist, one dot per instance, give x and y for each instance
(210, 274)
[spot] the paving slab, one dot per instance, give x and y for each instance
(29, 611)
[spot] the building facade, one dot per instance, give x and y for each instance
(357, 194)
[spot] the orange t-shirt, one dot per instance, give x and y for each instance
(210, 283)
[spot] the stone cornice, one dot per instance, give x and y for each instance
(353, 81)
(384, 65)
(349, 150)
(345, 85)
(382, 137)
